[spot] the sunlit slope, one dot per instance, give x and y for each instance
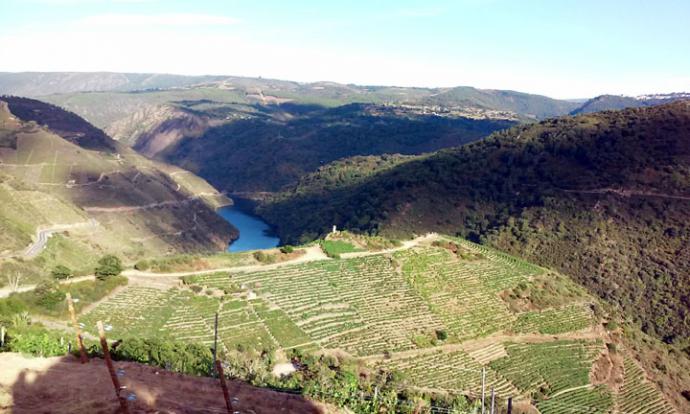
(437, 312)
(141, 207)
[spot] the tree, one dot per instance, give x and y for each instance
(48, 294)
(61, 272)
(108, 266)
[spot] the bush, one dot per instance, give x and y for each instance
(142, 265)
(48, 295)
(196, 288)
(61, 272)
(287, 249)
(611, 325)
(441, 335)
(108, 266)
(35, 341)
(264, 257)
(194, 359)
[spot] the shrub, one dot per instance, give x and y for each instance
(441, 335)
(194, 359)
(61, 272)
(264, 257)
(611, 325)
(35, 341)
(287, 249)
(142, 265)
(48, 295)
(196, 288)
(109, 265)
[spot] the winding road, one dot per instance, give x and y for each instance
(42, 236)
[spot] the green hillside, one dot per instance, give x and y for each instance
(58, 172)
(434, 312)
(602, 197)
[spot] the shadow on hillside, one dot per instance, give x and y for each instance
(63, 385)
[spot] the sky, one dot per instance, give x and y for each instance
(559, 48)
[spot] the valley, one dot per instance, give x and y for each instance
(392, 310)
(413, 319)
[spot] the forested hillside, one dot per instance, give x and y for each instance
(613, 102)
(605, 198)
(278, 146)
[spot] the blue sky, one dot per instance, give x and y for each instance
(564, 49)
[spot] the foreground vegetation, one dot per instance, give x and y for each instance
(391, 331)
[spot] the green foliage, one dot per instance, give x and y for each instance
(334, 248)
(142, 265)
(108, 266)
(263, 257)
(61, 272)
(48, 297)
(186, 358)
(48, 294)
(34, 340)
(287, 249)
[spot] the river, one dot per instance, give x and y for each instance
(254, 232)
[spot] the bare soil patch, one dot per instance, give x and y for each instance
(63, 385)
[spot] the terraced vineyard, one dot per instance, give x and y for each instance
(412, 311)
(580, 400)
(554, 321)
(639, 396)
(450, 371)
(551, 367)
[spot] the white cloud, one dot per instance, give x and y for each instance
(167, 19)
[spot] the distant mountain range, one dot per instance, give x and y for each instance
(612, 102)
(267, 91)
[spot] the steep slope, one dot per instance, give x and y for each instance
(273, 149)
(605, 198)
(59, 178)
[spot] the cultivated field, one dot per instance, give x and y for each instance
(437, 315)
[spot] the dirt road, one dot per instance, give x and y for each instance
(126, 209)
(6, 291)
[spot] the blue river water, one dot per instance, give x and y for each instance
(254, 232)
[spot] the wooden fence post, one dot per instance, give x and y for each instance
(224, 386)
(493, 399)
(215, 339)
(82, 352)
(483, 387)
(111, 369)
